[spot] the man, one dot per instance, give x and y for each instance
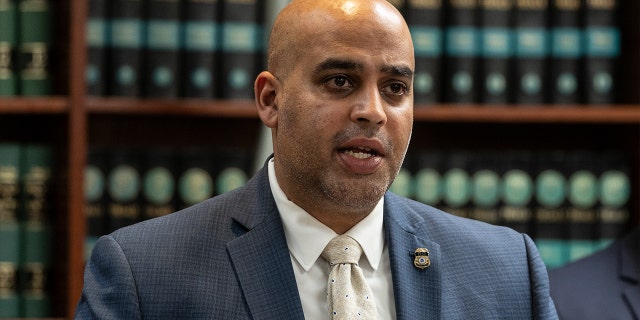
(338, 98)
(604, 285)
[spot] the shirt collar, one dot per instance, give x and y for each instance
(300, 227)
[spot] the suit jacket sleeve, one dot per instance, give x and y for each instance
(542, 304)
(109, 290)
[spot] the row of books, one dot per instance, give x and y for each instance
(514, 52)
(125, 185)
(174, 48)
(571, 203)
(25, 230)
(25, 43)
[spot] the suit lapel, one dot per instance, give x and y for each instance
(417, 291)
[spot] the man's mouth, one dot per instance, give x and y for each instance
(360, 152)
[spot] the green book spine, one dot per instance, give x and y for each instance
(96, 48)
(425, 23)
(195, 176)
(35, 38)
(531, 52)
(163, 44)
(486, 186)
(36, 231)
(497, 48)
(517, 187)
(462, 48)
(550, 205)
(429, 184)
(566, 52)
(8, 42)
(95, 194)
(124, 187)
(9, 229)
(615, 195)
(602, 49)
(125, 41)
(457, 184)
(158, 183)
(232, 169)
(201, 42)
(242, 46)
(404, 184)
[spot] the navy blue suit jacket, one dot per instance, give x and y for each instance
(227, 258)
(605, 285)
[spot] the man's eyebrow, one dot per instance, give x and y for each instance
(333, 63)
(401, 71)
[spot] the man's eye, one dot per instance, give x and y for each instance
(339, 82)
(396, 89)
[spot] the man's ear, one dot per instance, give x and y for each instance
(265, 89)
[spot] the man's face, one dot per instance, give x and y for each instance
(345, 114)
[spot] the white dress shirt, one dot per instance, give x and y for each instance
(307, 237)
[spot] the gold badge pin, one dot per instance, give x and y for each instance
(421, 259)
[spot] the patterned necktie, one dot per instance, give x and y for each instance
(348, 294)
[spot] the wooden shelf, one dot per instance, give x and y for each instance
(35, 105)
(176, 107)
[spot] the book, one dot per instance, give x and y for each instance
(162, 48)
(8, 43)
(531, 52)
(517, 191)
(404, 185)
(158, 182)
(232, 167)
(429, 184)
(34, 44)
(125, 41)
(602, 49)
(497, 48)
(37, 232)
(200, 52)
(124, 187)
(241, 48)
(97, 32)
(486, 185)
(566, 52)
(195, 176)
(10, 172)
(95, 195)
(613, 212)
(456, 181)
(425, 24)
(462, 47)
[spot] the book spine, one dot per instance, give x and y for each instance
(497, 49)
(36, 232)
(95, 186)
(163, 44)
(8, 42)
(615, 195)
(566, 52)
(516, 211)
(9, 229)
(158, 183)
(242, 45)
(124, 187)
(404, 184)
(425, 24)
(201, 42)
(125, 41)
(532, 51)
(486, 186)
(195, 178)
(96, 48)
(429, 184)
(35, 38)
(461, 50)
(232, 169)
(602, 48)
(457, 184)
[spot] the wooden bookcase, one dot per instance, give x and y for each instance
(71, 121)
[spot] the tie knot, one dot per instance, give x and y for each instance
(342, 249)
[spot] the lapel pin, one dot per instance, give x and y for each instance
(421, 259)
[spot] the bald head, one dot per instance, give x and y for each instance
(303, 22)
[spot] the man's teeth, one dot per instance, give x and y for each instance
(360, 152)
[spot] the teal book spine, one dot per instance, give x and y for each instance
(497, 47)
(124, 187)
(602, 48)
(242, 47)
(163, 43)
(462, 47)
(531, 52)
(429, 183)
(10, 164)
(425, 23)
(37, 231)
(34, 43)
(97, 32)
(201, 45)
(486, 185)
(517, 191)
(457, 188)
(404, 184)
(8, 43)
(95, 195)
(565, 85)
(158, 182)
(195, 176)
(614, 216)
(550, 206)
(125, 41)
(232, 169)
